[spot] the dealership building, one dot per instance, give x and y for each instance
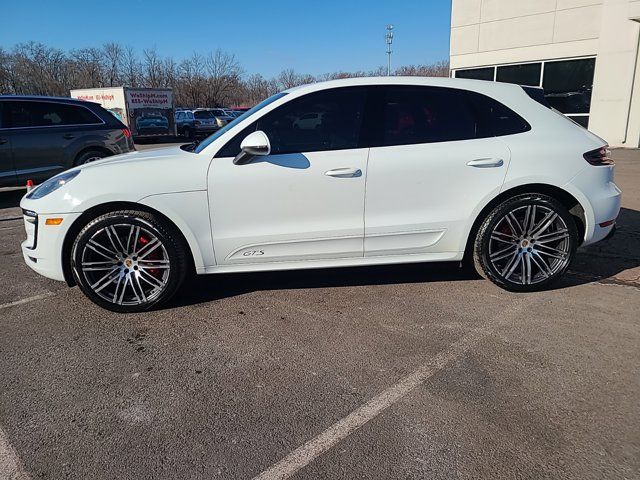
(584, 53)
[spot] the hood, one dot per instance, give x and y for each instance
(139, 156)
(127, 178)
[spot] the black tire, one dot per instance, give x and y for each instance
(89, 156)
(145, 272)
(538, 258)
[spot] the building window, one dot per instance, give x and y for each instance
(477, 73)
(525, 74)
(567, 84)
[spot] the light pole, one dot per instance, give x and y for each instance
(389, 40)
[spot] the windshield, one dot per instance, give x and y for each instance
(212, 138)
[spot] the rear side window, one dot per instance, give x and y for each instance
(414, 115)
(20, 114)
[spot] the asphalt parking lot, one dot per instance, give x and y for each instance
(420, 371)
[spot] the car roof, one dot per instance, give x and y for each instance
(44, 98)
(474, 85)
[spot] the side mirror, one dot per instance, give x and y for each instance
(255, 144)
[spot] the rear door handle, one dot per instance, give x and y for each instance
(344, 173)
(3, 141)
(68, 136)
(486, 163)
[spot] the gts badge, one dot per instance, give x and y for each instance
(253, 253)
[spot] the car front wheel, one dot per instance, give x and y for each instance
(128, 261)
(526, 243)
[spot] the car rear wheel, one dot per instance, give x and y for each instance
(89, 156)
(128, 261)
(526, 243)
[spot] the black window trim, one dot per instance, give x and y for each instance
(102, 122)
(378, 139)
(371, 134)
(364, 124)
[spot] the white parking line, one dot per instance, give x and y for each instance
(305, 454)
(11, 467)
(27, 300)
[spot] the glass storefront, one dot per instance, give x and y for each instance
(567, 83)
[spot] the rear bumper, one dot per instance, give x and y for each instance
(601, 199)
(42, 250)
(205, 128)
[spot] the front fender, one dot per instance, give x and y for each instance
(189, 212)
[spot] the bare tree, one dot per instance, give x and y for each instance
(223, 76)
(131, 68)
(192, 81)
(114, 55)
(288, 78)
(89, 67)
(439, 69)
(152, 68)
(257, 88)
(198, 81)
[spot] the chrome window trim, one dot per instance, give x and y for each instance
(102, 122)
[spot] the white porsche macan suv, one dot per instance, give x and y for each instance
(395, 170)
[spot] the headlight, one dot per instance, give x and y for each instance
(52, 185)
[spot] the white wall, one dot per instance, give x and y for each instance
(494, 32)
(614, 76)
(489, 32)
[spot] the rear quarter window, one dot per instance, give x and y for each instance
(494, 118)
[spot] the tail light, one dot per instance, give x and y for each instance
(126, 132)
(600, 157)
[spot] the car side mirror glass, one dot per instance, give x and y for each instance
(255, 144)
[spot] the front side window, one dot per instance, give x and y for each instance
(21, 114)
(414, 115)
(320, 121)
(232, 148)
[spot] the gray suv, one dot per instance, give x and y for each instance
(193, 123)
(42, 136)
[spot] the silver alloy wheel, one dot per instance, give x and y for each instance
(125, 264)
(529, 245)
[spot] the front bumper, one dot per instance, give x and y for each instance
(42, 250)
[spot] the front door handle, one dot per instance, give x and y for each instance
(68, 136)
(3, 141)
(486, 163)
(344, 173)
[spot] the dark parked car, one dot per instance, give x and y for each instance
(42, 136)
